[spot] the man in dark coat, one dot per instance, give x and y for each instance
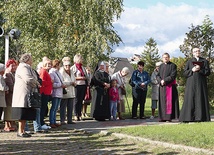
(168, 94)
(196, 105)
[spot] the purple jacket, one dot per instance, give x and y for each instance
(57, 83)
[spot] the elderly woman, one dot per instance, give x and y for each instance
(81, 81)
(3, 89)
(67, 99)
(25, 82)
(120, 77)
(57, 93)
(45, 90)
(155, 89)
(9, 76)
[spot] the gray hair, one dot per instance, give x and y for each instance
(126, 70)
(78, 58)
(25, 57)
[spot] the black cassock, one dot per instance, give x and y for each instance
(168, 72)
(102, 105)
(196, 105)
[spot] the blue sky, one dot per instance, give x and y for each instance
(148, 3)
(166, 21)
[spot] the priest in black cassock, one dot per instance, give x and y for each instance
(168, 95)
(196, 106)
(101, 83)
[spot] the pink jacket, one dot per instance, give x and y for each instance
(114, 94)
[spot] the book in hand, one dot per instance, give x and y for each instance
(200, 63)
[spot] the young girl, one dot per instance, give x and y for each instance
(114, 99)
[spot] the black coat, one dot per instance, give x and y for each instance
(168, 73)
(196, 105)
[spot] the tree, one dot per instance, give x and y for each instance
(57, 28)
(150, 55)
(200, 36)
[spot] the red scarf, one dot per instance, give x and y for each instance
(79, 67)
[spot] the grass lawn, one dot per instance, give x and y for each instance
(199, 135)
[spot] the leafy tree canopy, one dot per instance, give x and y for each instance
(57, 28)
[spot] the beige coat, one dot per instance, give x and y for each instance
(25, 80)
(68, 80)
(3, 88)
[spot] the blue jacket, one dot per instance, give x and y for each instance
(138, 78)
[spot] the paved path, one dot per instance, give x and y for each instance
(70, 139)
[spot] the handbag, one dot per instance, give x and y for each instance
(34, 97)
(34, 100)
(87, 94)
(64, 91)
(123, 91)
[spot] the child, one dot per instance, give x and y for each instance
(114, 99)
(3, 88)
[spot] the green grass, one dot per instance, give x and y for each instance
(199, 135)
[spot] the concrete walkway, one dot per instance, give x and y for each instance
(64, 140)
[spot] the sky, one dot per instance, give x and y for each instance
(166, 21)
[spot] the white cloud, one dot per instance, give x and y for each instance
(166, 24)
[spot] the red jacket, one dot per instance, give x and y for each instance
(114, 94)
(47, 85)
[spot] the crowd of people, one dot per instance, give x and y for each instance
(67, 88)
(164, 90)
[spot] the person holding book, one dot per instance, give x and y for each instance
(196, 106)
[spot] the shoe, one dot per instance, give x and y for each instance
(29, 132)
(121, 118)
(71, 123)
(143, 117)
(41, 131)
(9, 129)
(75, 118)
(78, 119)
(53, 126)
(134, 117)
(152, 117)
(57, 125)
(45, 127)
(63, 123)
(23, 135)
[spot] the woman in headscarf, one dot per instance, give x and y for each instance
(81, 84)
(101, 82)
(25, 82)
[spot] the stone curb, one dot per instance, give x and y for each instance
(164, 144)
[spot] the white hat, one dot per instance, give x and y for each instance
(2, 67)
(157, 64)
(66, 62)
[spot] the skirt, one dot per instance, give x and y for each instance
(121, 106)
(8, 113)
(19, 113)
